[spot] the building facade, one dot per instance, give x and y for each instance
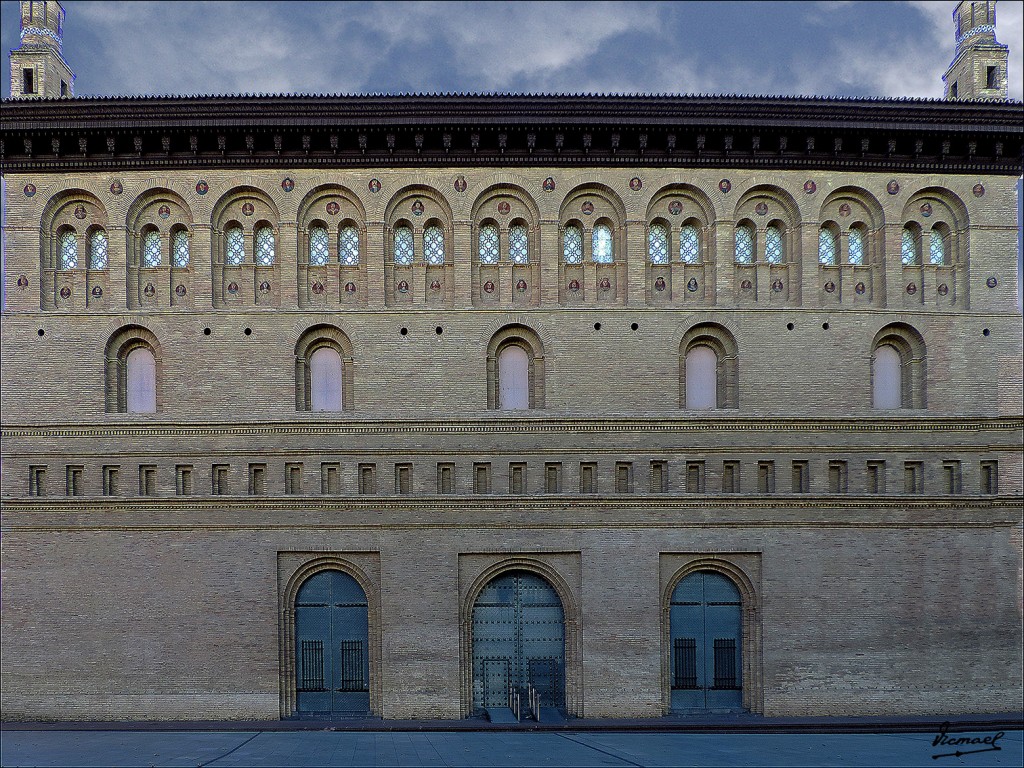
(629, 405)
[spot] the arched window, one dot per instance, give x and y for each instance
(657, 244)
(773, 251)
(572, 245)
(701, 378)
(513, 378)
(887, 378)
(689, 245)
(235, 251)
(151, 249)
(856, 246)
(325, 380)
(265, 247)
(140, 381)
(908, 248)
(744, 244)
(826, 246)
(98, 250)
(318, 247)
(488, 244)
(403, 246)
(348, 246)
(937, 247)
(433, 245)
(69, 250)
(603, 251)
(518, 244)
(179, 249)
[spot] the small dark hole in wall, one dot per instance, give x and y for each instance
(634, 326)
(597, 326)
(206, 331)
(43, 333)
(789, 326)
(824, 326)
(248, 331)
(984, 332)
(404, 331)
(439, 330)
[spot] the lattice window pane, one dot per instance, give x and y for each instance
(519, 244)
(98, 250)
(265, 247)
(348, 246)
(908, 248)
(433, 245)
(602, 241)
(488, 244)
(318, 248)
(151, 249)
(68, 251)
(856, 246)
(179, 249)
(773, 245)
(826, 247)
(403, 246)
(572, 245)
(235, 252)
(744, 245)
(689, 245)
(657, 244)
(936, 248)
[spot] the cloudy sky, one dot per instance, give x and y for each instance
(812, 48)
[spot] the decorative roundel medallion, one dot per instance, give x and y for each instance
(488, 287)
(97, 291)
(504, 207)
(992, 282)
(435, 285)
(725, 185)
(333, 208)
(636, 184)
(761, 209)
(180, 290)
(403, 287)
(164, 211)
(150, 290)
(587, 207)
(830, 287)
(926, 209)
(287, 184)
(80, 212)
(317, 287)
(912, 288)
(675, 207)
(374, 186)
(65, 293)
(691, 286)
(548, 185)
(350, 287)
(859, 289)
(116, 188)
(460, 185)
(417, 208)
(521, 285)
(659, 284)
(574, 286)
(943, 289)
(264, 287)
(232, 287)
(30, 190)
(810, 187)
(248, 209)
(893, 187)
(777, 285)
(746, 285)
(22, 282)
(202, 187)
(979, 190)
(605, 284)
(844, 209)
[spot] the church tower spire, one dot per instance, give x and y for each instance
(978, 69)
(38, 69)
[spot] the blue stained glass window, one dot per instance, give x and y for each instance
(433, 245)
(518, 244)
(151, 249)
(98, 250)
(403, 246)
(488, 244)
(572, 245)
(348, 246)
(689, 245)
(936, 248)
(856, 246)
(908, 248)
(265, 247)
(179, 249)
(657, 244)
(826, 247)
(235, 253)
(318, 251)
(744, 244)
(602, 241)
(773, 245)
(68, 250)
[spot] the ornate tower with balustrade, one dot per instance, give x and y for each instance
(978, 69)
(38, 69)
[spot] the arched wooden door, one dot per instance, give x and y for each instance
(518, 641)
(705, 644)
(332, 668)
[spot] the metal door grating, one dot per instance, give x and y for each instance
(351, 677)
(725, 663)
(684, 663)
(311, 677)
